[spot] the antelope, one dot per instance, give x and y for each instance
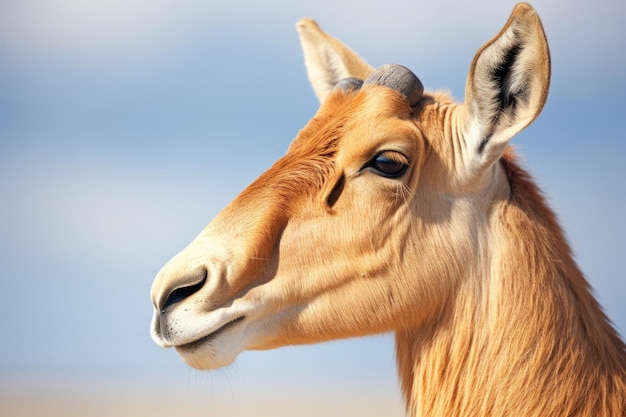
(400, 210)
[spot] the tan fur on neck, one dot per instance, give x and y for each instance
(532, 342)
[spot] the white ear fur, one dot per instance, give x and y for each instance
(328, 60)
(507, 85)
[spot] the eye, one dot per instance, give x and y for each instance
(390, 164)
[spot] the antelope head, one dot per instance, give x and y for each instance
(376, 217)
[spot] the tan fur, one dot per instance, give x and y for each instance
(459, 256)
(533, 343)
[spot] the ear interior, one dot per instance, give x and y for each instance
(508, 81)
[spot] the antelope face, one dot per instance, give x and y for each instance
(314, 249)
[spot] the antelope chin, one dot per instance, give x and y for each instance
(217, 349)
(191, 346)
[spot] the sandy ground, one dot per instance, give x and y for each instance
(51, 401)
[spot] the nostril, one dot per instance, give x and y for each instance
(179, 294)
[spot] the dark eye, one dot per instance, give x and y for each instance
(390, 164)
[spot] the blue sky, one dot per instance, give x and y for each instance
(125, 126)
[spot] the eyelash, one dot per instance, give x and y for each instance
(389, 164)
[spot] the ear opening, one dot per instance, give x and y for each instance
(508, 82)
(328, 60)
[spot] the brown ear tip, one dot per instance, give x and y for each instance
(524, 7)
(524, 11)
(306, 23)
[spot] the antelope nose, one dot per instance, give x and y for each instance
(180, 289)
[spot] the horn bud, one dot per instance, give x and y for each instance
(349, 84)
(399, 78)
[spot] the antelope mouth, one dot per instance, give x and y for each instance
(191, 346)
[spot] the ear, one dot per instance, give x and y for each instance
(328, 60)
(507, 84)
